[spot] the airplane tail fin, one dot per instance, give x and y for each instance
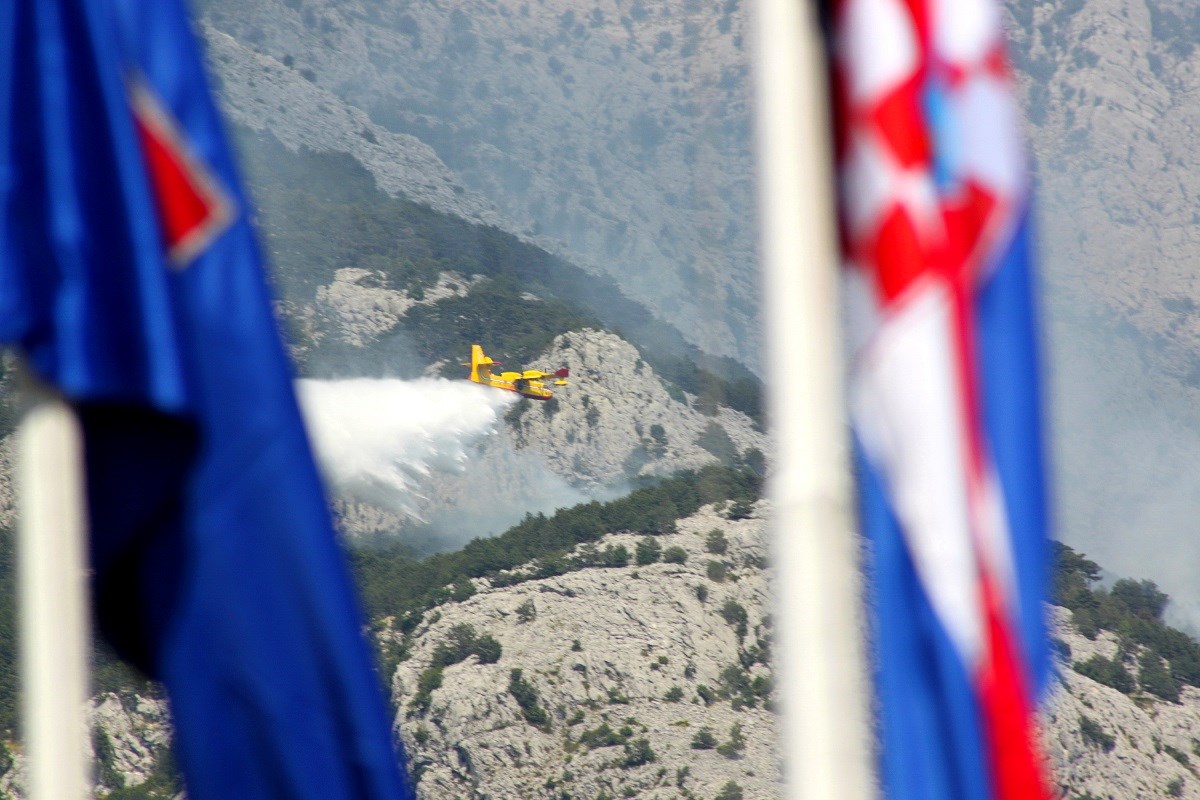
(481, 365)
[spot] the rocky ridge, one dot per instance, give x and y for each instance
(358, 306)
(474, 741)
(259, 92)
(613, 133)
(609, 646)
(134, 733)
(617, 420)
(1103, 743)
(603, 647)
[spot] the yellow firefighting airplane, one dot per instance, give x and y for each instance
(530, 383)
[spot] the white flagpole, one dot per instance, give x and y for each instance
(55, 627)
(823, 687)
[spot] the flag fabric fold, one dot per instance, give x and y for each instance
(934, 206)
(130, 278)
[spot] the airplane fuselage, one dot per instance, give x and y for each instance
(529, 383)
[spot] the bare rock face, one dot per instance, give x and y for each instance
(136, 731)
(1103, 743)
(129, 736)
(358, 306)
(261, 93)
(8, 495)
(618, 419)
(607, 646)
(636, 649)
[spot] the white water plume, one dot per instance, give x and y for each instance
(377, 439)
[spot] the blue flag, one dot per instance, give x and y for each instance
(130, 279)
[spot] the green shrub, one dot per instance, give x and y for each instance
(1175, 787)
(1095, 735)
(716, 571)
(716, 441)
(638, 752)
(704, 740)
(527, 698)
(734, 613)
(1106, 671)
(730, 791)
(488, 650)
(674, 555)
(673, 695)
(527, 611)
(648, 551)
(741, 509)
(715, 542)
(736, 744)
(429, 680)
(614, 556)
(461, 642)
(658, 433)
(706, 694)
(602, 736)
(1178, 755)
(1155, 679)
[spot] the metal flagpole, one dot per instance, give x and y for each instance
(822, 679)
(55, 627)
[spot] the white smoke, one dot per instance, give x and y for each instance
(377, 439)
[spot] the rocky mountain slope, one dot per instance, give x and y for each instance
(1106, 744)
(652, 679)
(606, 646)
(615, 422)
(615, 132)
(131, 737)
(654, 652)
(1109, 88)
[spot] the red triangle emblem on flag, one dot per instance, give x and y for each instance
(193, 207)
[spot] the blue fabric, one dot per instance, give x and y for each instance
(217, 568)
(1010, 391)
(930, 725)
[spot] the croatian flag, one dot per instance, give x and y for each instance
(935, 226)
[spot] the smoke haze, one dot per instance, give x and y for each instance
(377, 439)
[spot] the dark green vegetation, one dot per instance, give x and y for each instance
(9, 413)
(1164, 658)
(461, 642)
(164, 782)
(1095, 735)
(394, 584)
(528, 699)
(321, 212)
